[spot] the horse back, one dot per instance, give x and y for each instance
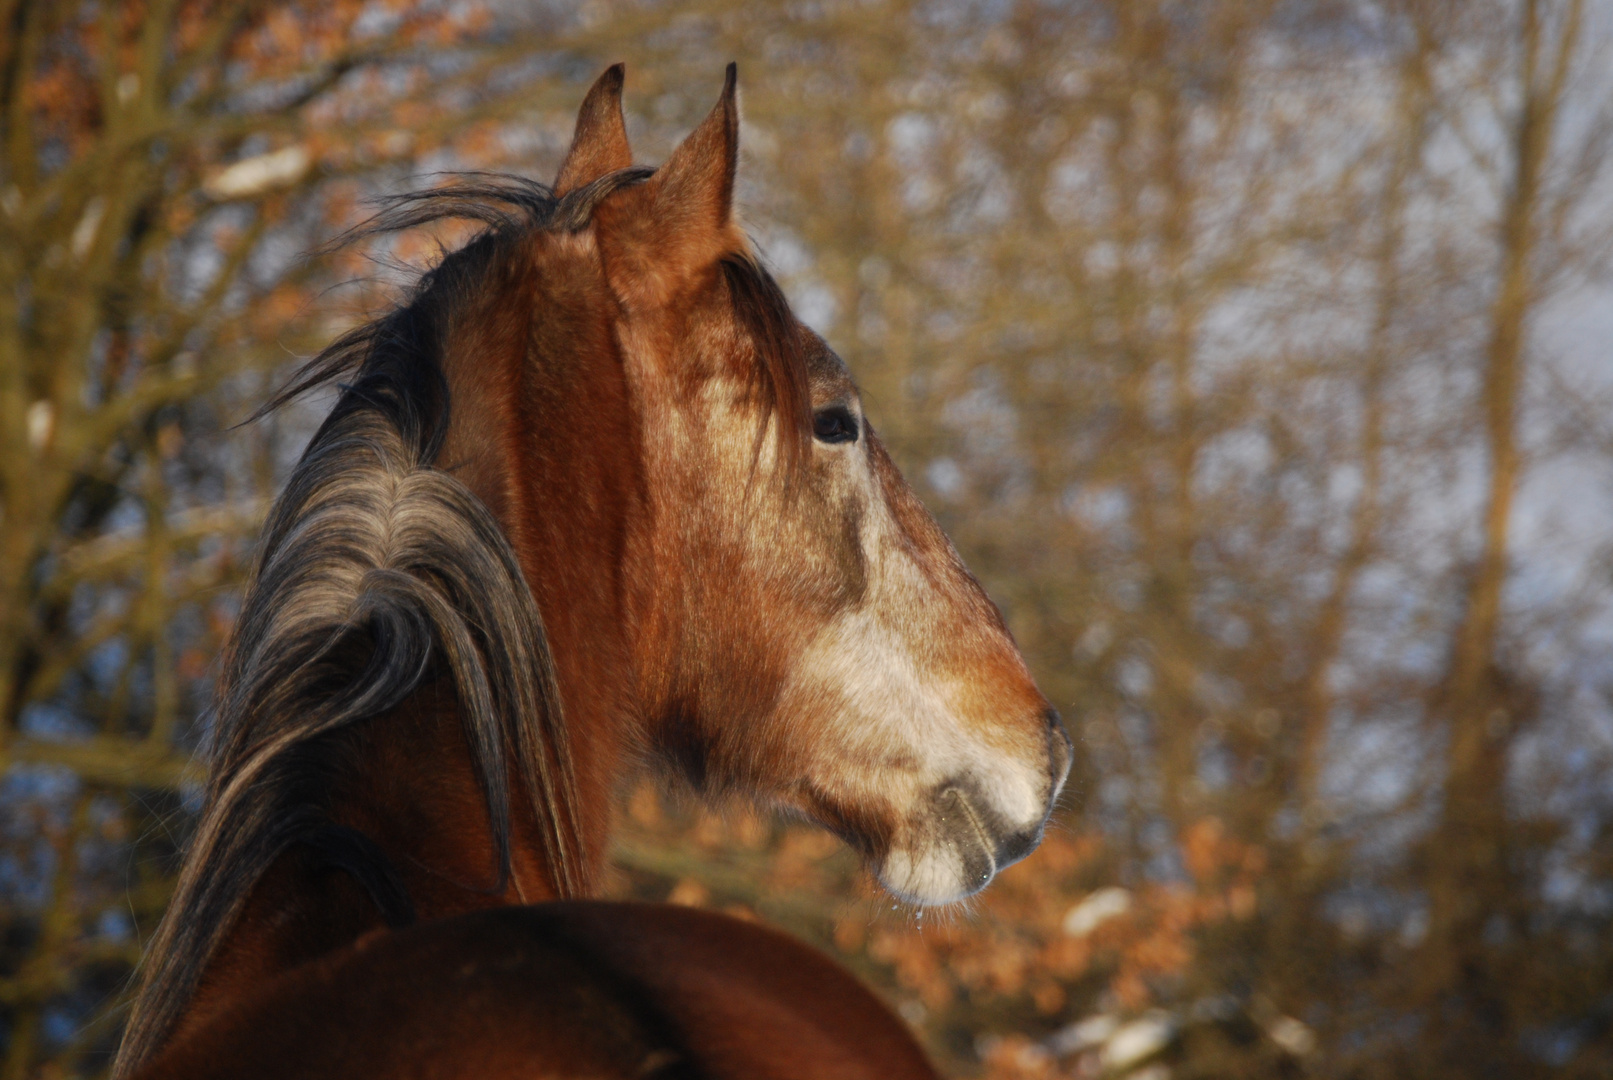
(568, 989)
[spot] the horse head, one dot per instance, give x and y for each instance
(804, 633)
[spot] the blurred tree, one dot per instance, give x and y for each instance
(1229, 339)
(1209, 328)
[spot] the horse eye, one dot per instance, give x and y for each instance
(834, 425)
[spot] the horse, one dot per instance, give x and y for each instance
(591, 500)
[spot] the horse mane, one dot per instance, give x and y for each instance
(375, 569)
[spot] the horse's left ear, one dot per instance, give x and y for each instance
(600, 143)
(695, 188)
(661, 236)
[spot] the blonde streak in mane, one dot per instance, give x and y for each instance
(178, 952)
(395, 524)
(533, 700)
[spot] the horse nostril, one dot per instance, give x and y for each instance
(1016, 847)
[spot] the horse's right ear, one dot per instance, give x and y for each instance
(600, 143)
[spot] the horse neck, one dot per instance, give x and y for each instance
(405, 783)
(541, 430)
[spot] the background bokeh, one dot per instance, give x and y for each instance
(1256, 354)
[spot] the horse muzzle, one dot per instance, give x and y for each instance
(974, 825)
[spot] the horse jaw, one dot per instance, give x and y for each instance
(927, 726)
(960, 783)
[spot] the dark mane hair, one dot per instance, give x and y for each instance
(374, 567)
(780, 375)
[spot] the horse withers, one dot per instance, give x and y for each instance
(590, 496)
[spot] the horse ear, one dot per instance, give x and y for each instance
(696, 185)
(660, 235)
(600, 143)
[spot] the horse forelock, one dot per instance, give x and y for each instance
(779, 374)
